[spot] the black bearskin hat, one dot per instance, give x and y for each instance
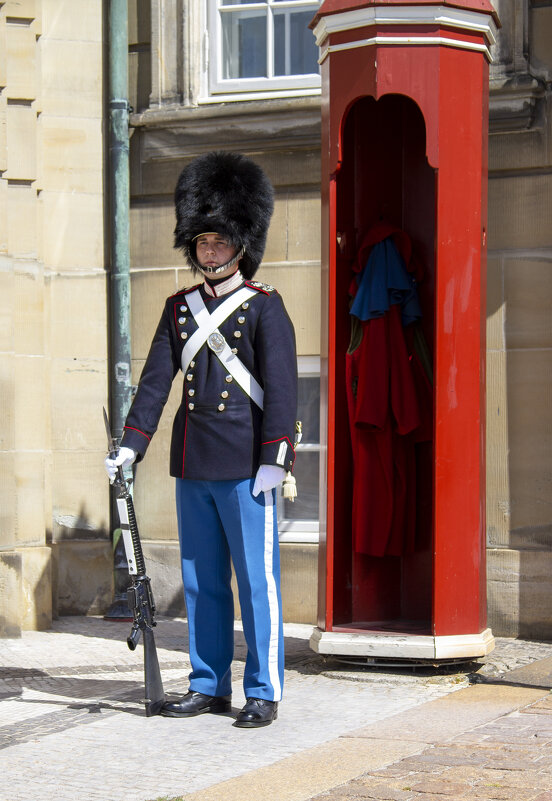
(229, 194)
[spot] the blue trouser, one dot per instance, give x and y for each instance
(219, 521)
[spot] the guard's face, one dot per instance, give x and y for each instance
(214, 250)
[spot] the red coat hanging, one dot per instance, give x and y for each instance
(389, 395)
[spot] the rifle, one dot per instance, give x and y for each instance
(139, 594)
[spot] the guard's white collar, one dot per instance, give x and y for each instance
(229, 285)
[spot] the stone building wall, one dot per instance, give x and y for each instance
(519, 344)
(54, 547)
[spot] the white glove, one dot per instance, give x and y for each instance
(268, 476)
(124, 458)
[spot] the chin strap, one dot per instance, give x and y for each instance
(289, 485)
(215, 270)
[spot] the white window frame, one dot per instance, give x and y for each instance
(301, 531)
(245, 88)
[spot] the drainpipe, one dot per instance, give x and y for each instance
(120, 387)
(119, 373)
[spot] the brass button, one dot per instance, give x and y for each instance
(184, 335)
(192, 364)
(245, 305)
(241, 320)
(237, 334)
(183, 308)
(234, 350)
(190, 377)
(224, 393)
(190, 406)
(228, 379)
(221, 407)
(191, 393)
(181, 320)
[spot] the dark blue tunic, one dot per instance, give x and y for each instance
(219, 432)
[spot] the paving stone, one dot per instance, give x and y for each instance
(511, 763)
(440, 756)
(441, 787)
(400, 770)
(490, 792)
(371, 786)
(437, 797)
(543, 707)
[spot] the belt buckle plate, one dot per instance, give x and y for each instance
(216, 342)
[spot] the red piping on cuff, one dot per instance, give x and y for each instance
(130, 428)
(273, 441)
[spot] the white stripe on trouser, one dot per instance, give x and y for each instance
(272, 593)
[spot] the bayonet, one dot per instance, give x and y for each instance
(139, 594)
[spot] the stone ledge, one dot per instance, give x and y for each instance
(513, 102)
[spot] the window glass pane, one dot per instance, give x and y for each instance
(244, 44)
(280, 44)
(238, 2)
(295, 50)
(303, 49)
(308, 408)
(305, 506)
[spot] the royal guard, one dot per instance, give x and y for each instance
(233, 434)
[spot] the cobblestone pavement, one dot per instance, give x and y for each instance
(73, 724)
(508, 759)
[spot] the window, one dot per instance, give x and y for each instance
(298, 520)
(262, 46)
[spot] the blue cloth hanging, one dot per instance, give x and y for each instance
(384, 282)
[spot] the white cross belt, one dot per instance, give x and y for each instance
(207, 332)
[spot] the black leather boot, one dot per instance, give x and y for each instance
(257, 712)
(194, 703)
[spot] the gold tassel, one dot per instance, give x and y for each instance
(289, 488)
(289, 485)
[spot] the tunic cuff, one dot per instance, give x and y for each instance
(135, 439)
(278, 452)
